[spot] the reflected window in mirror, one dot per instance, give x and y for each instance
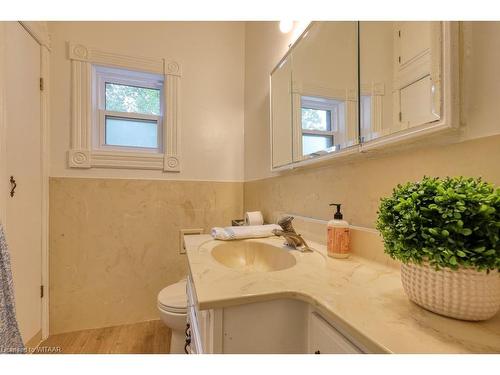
(320, 122)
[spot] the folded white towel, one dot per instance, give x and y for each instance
(244, 231)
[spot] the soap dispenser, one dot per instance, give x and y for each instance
(338, 236)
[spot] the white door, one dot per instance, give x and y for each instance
(23, 163)
(417, 90)
(416, 39)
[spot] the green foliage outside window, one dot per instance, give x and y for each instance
(122, 98)
(315, 119)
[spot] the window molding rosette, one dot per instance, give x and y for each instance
(81, 153)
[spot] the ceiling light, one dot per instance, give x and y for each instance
(286, 26)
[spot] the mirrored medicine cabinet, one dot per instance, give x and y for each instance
(349, 87)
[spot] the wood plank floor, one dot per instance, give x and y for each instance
(140, 338)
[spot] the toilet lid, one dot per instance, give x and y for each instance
(173, 297)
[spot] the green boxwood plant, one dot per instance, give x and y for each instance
(448, 223)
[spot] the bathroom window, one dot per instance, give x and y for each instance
(124, 110)
(129, 110)
(320, 119)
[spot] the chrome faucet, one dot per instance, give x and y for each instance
(292, 238)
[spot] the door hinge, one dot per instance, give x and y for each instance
(399, 33)
(399, 59)
(41, 291)
(41, 84)
(400, 117)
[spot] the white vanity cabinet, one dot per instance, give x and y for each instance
(323, 338)
(281, 326)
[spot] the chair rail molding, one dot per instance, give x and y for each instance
(81, 153)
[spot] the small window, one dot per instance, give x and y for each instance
(129, 113)
(319, 118)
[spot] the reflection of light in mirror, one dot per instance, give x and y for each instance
(298, 29)
(295, 27)
(286, 26)
(282, 63)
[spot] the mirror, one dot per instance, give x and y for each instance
(400, 66)
(398, 77)
(281, 114)
(325, 89)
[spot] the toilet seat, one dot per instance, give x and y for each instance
(173, 298)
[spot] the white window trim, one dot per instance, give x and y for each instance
(82, 154)
(373, 128)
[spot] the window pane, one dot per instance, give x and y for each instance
(315, 143)
(316, 119)
(131, 132)
(122, 98)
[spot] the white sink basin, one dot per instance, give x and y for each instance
(253, 256)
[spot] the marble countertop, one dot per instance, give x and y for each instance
(362, 297)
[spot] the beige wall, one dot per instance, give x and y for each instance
(212, 91)
(114, 244)
(359, 183)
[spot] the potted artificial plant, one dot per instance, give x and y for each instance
(446, 234)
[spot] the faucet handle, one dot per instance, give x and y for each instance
(286, 223)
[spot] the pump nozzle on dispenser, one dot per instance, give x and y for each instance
(338, 215)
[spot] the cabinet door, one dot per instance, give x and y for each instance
(417, 104)
(325, 89)
(324, 339)
(281, 115)
(400, 76)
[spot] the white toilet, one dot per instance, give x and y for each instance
(172, 304)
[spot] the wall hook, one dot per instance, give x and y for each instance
(13, 186)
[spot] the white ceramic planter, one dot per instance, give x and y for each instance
(462, 294)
